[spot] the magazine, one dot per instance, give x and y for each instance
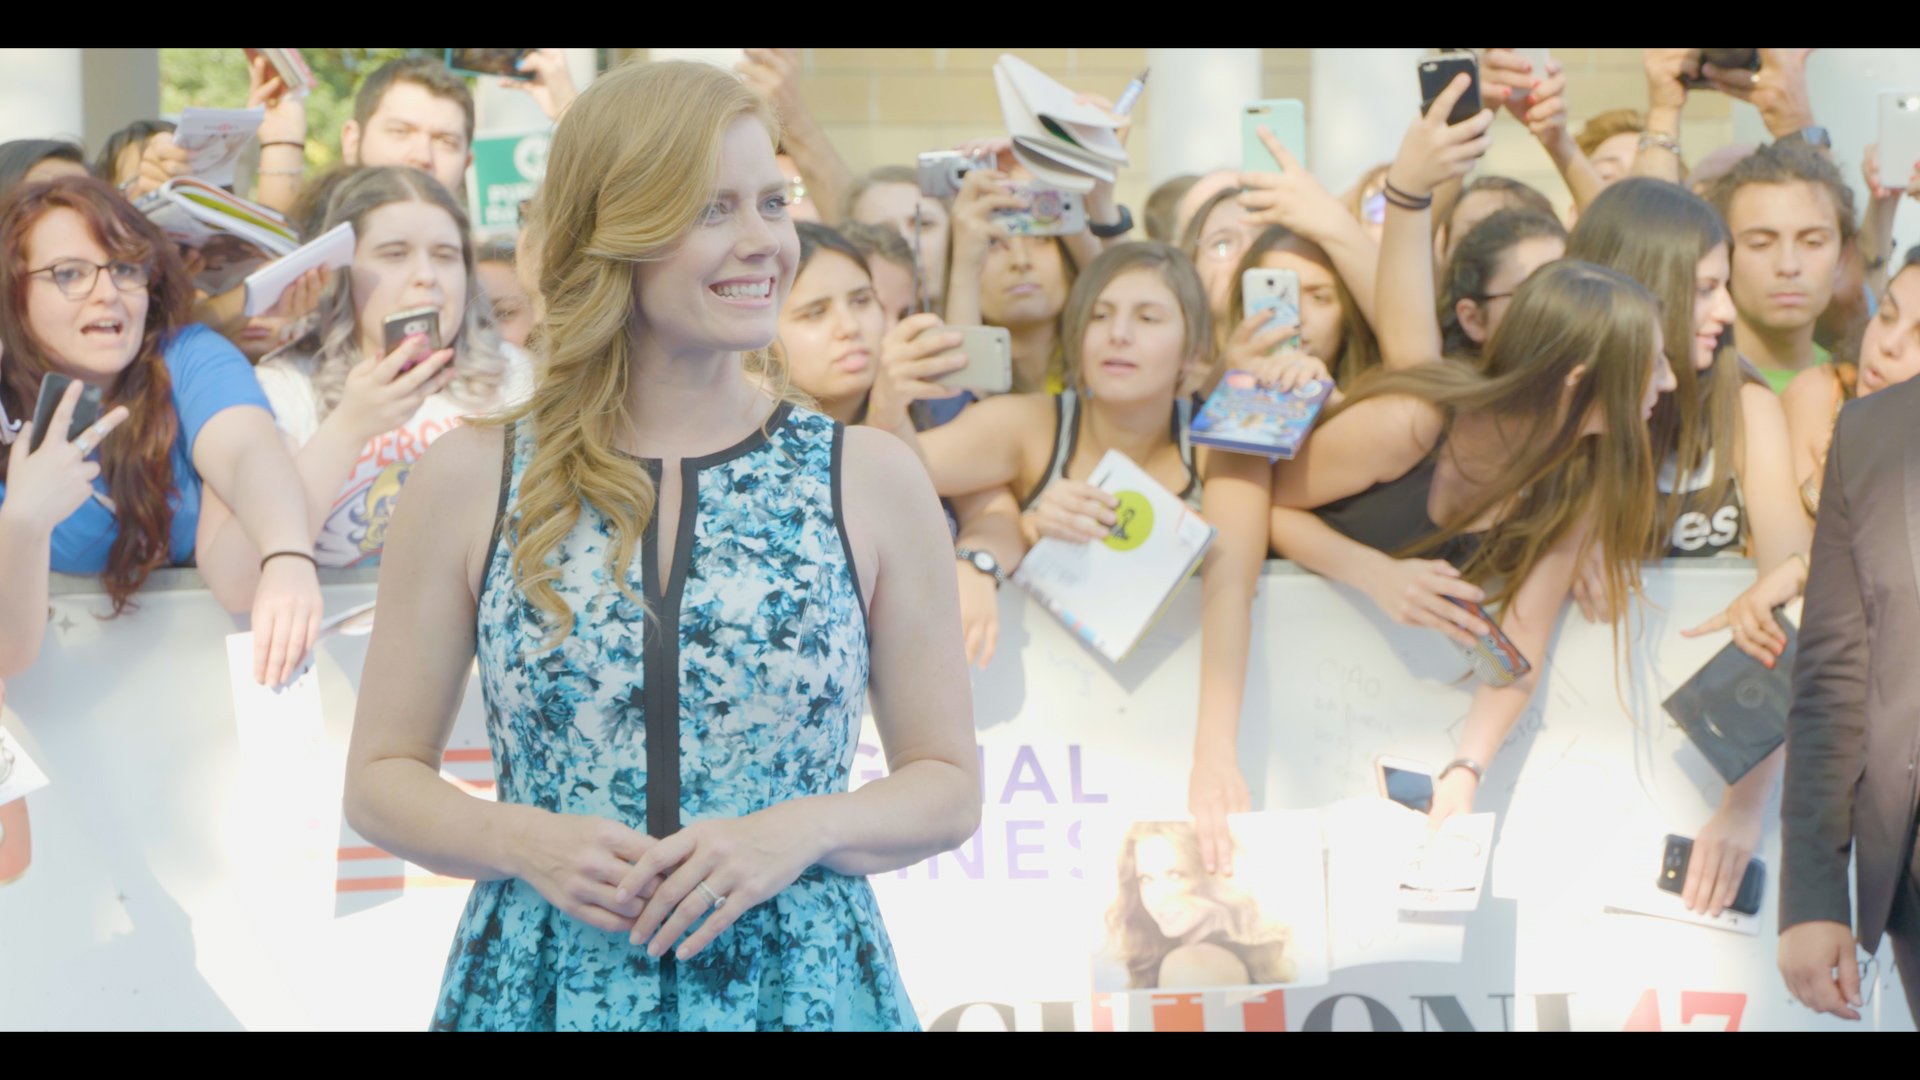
(1067, 145)
(216, 138)
(228, 237)
(1247, 417)
(1110, 591)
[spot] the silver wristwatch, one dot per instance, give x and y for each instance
(984, 562)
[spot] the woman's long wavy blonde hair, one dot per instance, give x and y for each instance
(633, 164)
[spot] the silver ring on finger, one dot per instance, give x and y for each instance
(84, 444)
(714, 898)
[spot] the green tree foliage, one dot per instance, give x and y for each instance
(217, 78)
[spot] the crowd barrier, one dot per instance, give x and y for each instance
(183, 879)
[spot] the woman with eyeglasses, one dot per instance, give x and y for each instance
(1305, 230)
(1488, 263)
(91, 290)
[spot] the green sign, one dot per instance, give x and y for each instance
(507, 169)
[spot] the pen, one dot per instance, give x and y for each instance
(1131, 94)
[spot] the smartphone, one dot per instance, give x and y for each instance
(53, 387)
(1673, 876)
(488, 62)
(1408, 783)
(1725, 60)
(1495, 659)
(941, 171)
(1049, 212)
(1438, 71)
(1286, 118)
(404, 324)
(989, 367)
(1262, 289)
(1899, 137)
(1539, 58)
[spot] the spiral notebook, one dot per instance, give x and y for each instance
(1111, 591)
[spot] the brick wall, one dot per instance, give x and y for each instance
(884, 106)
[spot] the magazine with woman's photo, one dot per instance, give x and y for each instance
(1171, 926)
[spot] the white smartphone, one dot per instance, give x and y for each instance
(1406, 782)
(1262, 289)
(1899, 137)
(989, 367)
(1050, 212)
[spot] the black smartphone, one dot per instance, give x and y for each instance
(1725, 60)
(1438, 71)
(53, 387)
(1673, 876)
(499, 62)
(404, 324)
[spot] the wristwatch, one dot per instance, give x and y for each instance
(1468, 764)
(984, 562)
(1118, 228)
(1816, 137)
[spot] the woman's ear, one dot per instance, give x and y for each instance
(1573, 377)
(1472, 320)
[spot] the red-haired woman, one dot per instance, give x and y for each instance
(91, 290)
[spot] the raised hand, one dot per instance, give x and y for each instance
(551, 87)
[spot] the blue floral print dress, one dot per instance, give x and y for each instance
(756, 699)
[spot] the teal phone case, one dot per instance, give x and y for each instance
(1286, 118)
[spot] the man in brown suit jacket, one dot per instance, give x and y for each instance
(1853, 736)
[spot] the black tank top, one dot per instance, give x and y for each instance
(1391, 515)
(1703, 525)
(1066, 439)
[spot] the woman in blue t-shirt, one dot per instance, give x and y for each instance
(92, 290)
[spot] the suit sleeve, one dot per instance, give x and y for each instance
(1826, 727)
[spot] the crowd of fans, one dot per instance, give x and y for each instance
(1532, 401)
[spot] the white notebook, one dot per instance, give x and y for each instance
(1067, 145)
(1109, 592)
(334, 248)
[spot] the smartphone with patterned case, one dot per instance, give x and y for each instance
(1263, 289)
(1049, 212)
(1495, 659)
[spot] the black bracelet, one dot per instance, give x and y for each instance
(1119, 228)
(295, 554)
(284, 142)
(1402, 199)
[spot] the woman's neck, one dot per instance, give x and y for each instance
(688, 402)
(1033, 348)
(1139, 429)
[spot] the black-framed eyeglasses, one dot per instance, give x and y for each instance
(75, 277)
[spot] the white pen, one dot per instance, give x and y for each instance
(1131, 94)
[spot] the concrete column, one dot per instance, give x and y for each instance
(120, 86)
(41, 94)
(1362, 101)
(1193, 119)
(1845, 85)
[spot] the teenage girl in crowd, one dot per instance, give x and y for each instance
(1889, 353)
(90, 289)
(1726, 478)
(357, 413)
(1488, 264)
(1287, 220)
(1436, 483)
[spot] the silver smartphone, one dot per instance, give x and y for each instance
(1899, 137)
(989, 367)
